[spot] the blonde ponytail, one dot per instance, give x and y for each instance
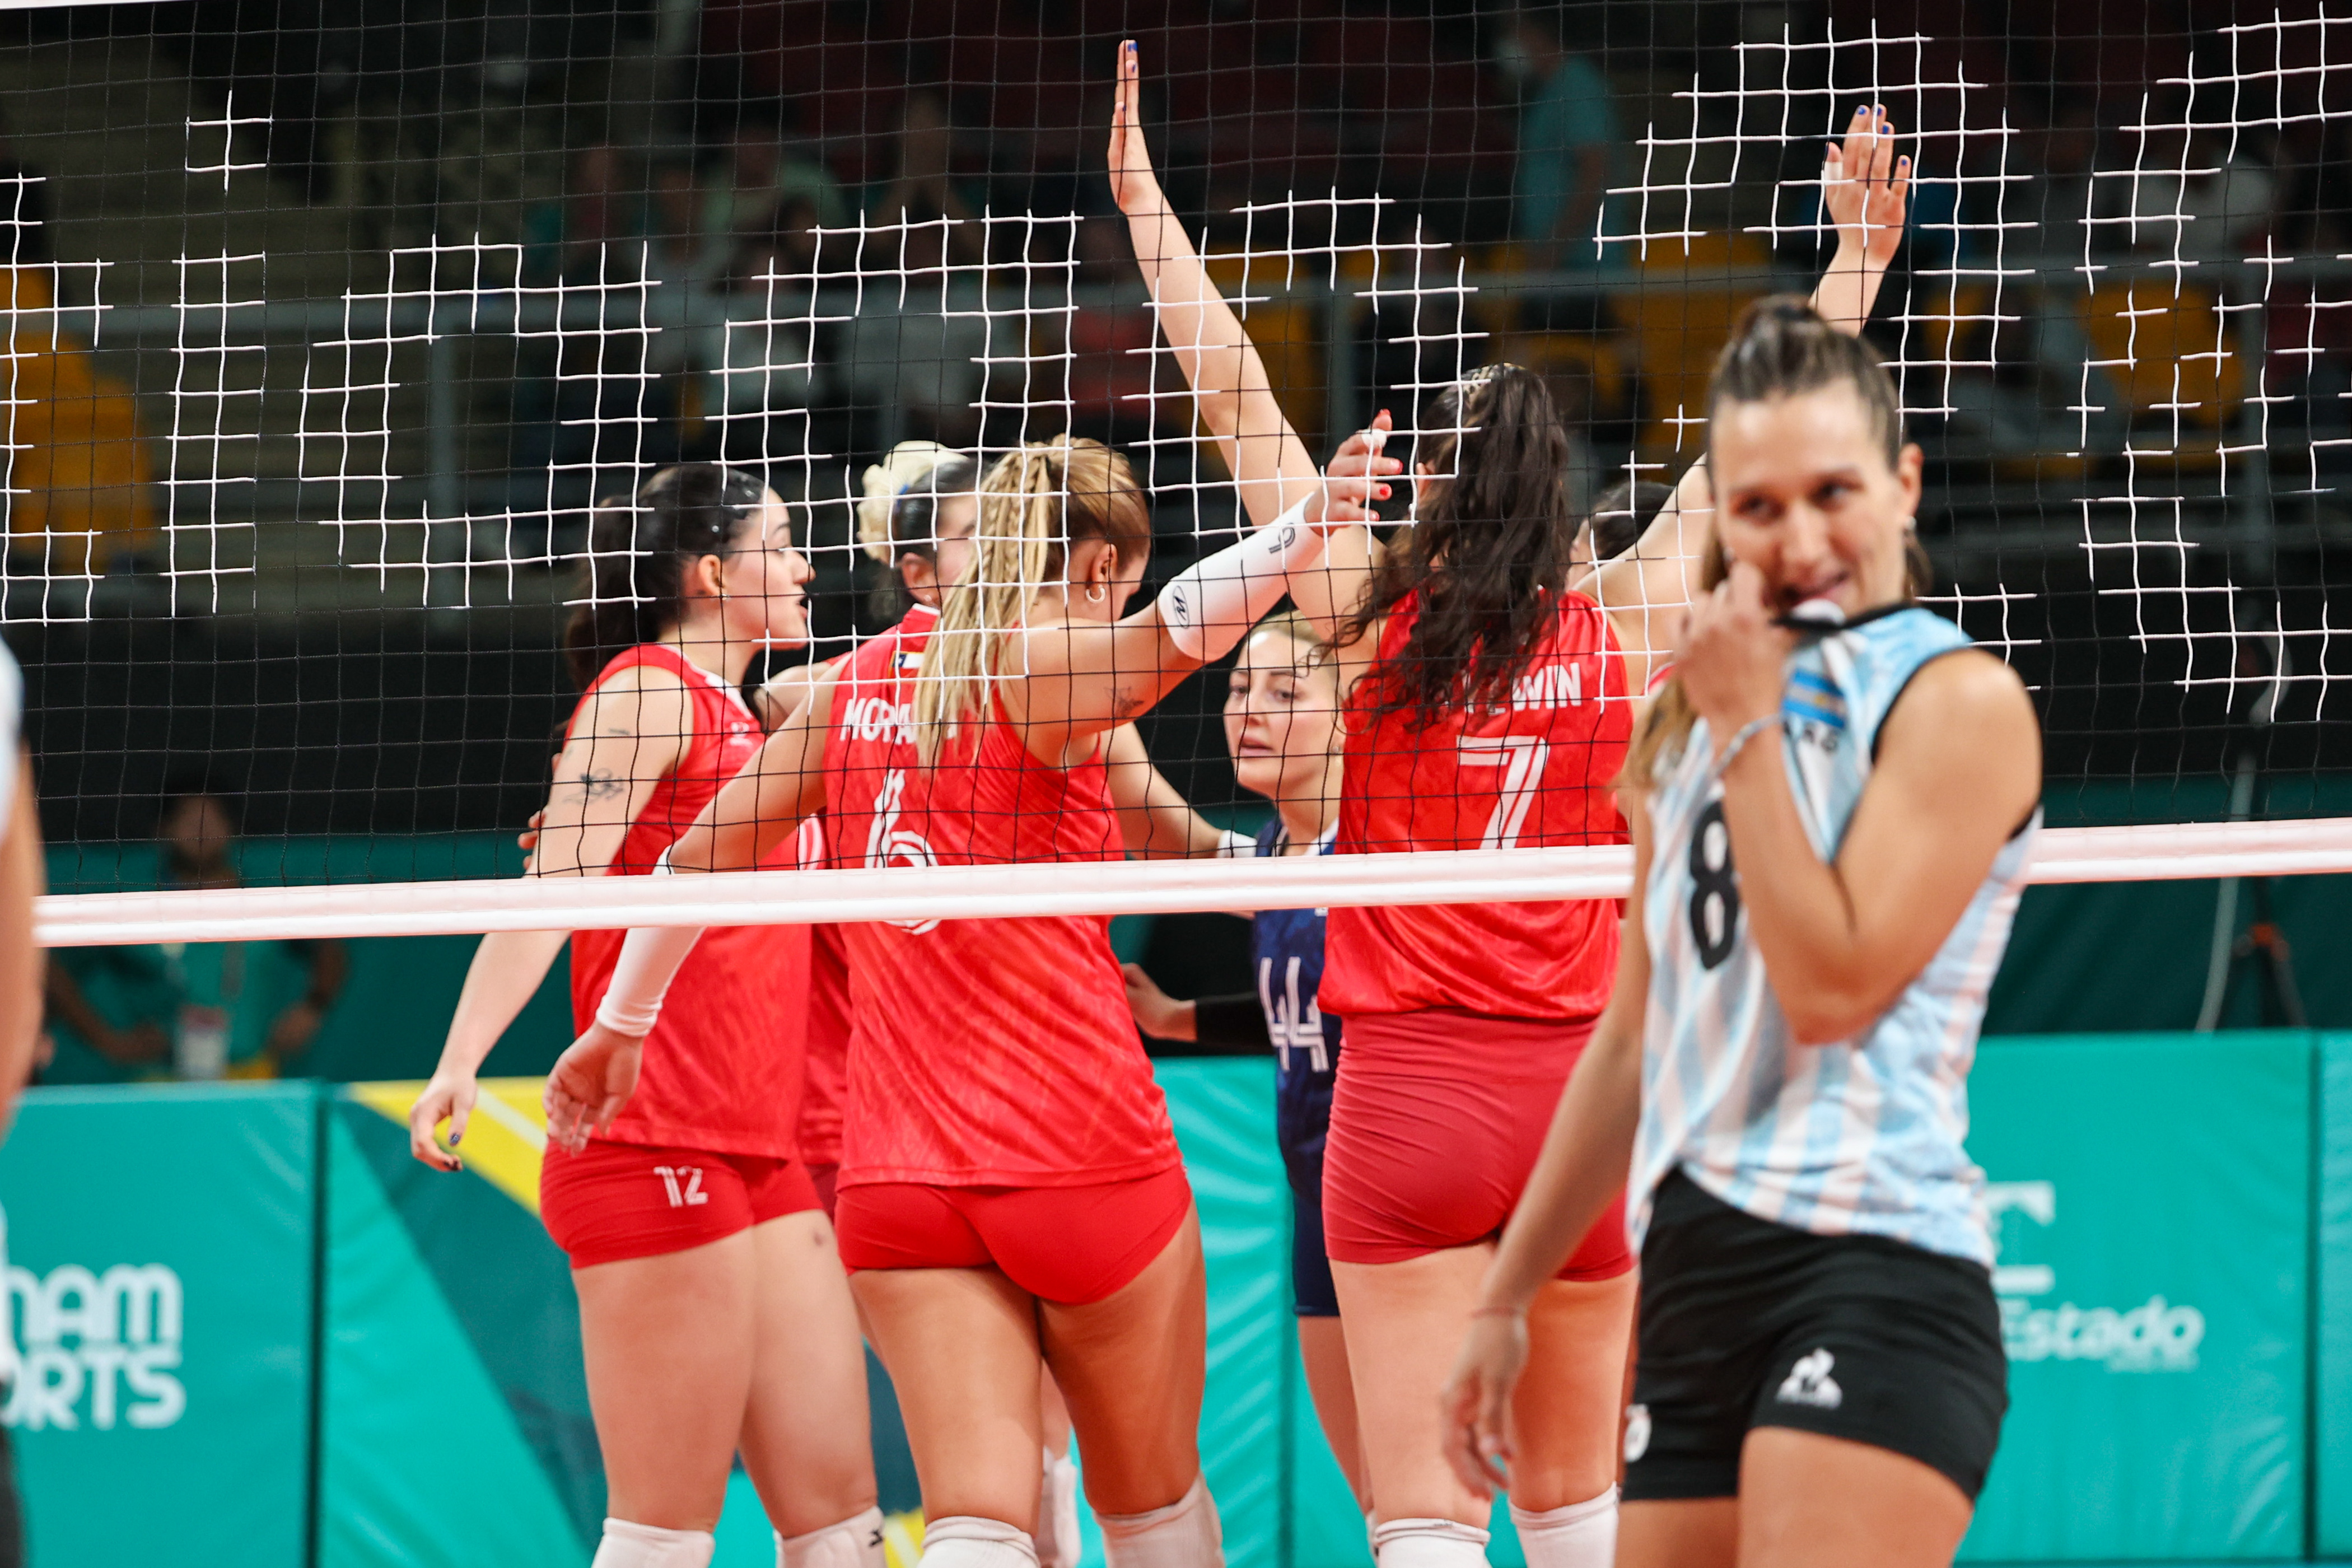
(1035, 502)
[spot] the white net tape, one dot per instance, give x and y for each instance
(1092, 887)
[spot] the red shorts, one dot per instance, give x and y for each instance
(615, 1200)
(826, 1180)
(1067, 1245)
(1435, 1123)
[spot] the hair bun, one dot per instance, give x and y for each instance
(883, 482)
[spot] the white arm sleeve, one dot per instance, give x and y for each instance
(1210, 605)
(649, 961)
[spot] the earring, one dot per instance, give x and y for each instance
(1093, 594)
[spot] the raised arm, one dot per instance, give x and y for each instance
(1155, 820)
(1231, 389)
(630, 732)
(762, 805)
(781, 787)
(1866, 192)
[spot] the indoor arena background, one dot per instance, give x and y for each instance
(329, 319)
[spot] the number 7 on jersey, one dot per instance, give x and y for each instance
(1521, 758)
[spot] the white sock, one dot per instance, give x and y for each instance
(1581, 1535)
(1428, 1544)
(1056, 1535)
(627, 1545)
(855, 1543)
(966, 1540)
(1184, 1534)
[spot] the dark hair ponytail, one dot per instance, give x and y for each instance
(1622, 513)
(1488, 553)
(639, 553)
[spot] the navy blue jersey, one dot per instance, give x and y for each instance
(1286, 946)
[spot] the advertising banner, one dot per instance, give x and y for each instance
(2151, 1201)
(160, 1286)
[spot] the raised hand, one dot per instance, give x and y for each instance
(1353, 479)
(1133, 185)
(1865, 187)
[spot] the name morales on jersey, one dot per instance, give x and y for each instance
(1551, 686)
(872, 718)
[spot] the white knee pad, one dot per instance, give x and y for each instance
(855, 1543)
(1581, 1535)
(1184, 1534)
(966, 1540)
(1428, 1544)
(627, 1545)
(1056, 1535)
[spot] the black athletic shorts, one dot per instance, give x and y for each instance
(1745, 1323)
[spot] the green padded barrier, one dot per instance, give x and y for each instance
(1223, 1112)
(422, 1461)
(2332, 1339)
(2152, 1200)
(161, 1249)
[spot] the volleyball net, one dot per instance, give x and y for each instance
(325, 345)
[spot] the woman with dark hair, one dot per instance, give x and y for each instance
(1011, 1195)
(1832, 804)
(1490, 703)
(714, 1316)
(1620, 516)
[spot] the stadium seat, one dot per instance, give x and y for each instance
(1679, 308)
(80, 481)
(2168, 351)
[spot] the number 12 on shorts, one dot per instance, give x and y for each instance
(684, 1184)
(1521, 759)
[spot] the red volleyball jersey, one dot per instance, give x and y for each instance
(985, 1053)
(825, 1081)
(1535, 773)
(722, 1066)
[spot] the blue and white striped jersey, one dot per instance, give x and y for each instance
(1865, 1136)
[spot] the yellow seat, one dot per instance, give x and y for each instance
(2168, 351)
(1678, 307)
(80, 481)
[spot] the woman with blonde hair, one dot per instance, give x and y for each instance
(1011, 1195)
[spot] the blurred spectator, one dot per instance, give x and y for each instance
(1112, 331)
(24, 209)
(2307, 322)
(2071, 190)
(208, 1010)
(603, 206)
(762, 177)
(2197, 191)
(758, 354)
(922, 192)
(1567, 145)
(913, 349)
